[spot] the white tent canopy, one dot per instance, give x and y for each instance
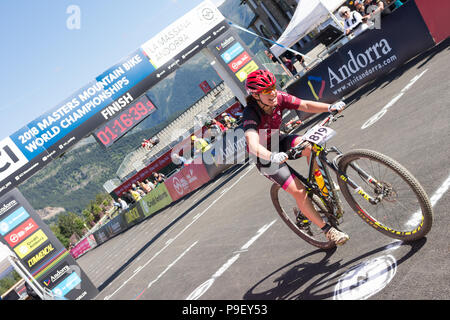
(308, 15)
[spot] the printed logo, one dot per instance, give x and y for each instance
(42, 254)
(239, 62)
(13, 220)
(11, 158)
(30, 244)
(243, 73)
(232, 53)
(21, 232)
(322, 88)
(67, 285)
(180, 185)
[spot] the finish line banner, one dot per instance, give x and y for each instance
(371, 55)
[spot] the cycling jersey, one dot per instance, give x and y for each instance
(267, 125)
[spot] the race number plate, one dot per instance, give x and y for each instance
(319, 134)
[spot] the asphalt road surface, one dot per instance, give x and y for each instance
(226, 241)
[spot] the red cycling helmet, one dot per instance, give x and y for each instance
(259, 80)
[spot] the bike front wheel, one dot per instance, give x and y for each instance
(405, 210)
(287, 209)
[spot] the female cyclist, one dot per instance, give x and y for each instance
(262, 120)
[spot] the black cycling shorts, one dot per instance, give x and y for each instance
(279, 173)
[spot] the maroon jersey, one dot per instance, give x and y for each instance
(265, 124)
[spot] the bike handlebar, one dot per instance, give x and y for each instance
(296, 152)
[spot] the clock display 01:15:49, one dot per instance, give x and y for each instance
(124, 122)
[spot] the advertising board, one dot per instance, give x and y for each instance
(38, 250)
(372, 54)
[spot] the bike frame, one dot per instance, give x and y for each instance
(319, 155)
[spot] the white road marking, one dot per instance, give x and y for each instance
(201, 289)
(382, 112)
(417, 216)
(179, 234)
(171, 265)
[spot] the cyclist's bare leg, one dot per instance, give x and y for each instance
(297, 190)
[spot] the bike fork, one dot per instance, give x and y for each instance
(357, 189)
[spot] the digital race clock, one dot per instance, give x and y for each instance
(127, 119)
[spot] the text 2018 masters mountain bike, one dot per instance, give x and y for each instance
(379, 189)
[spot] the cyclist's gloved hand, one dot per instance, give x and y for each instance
(278, 157)
(338, 106)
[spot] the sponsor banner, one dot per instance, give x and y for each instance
(21, 232)
(30, 244)
(101, 235)
(368, 56)
(68, 284)
(236, 58)
(132, 216)
(243, 73)
(239, 62)
(32, 241)
(182, 33)
(155, 200)
(81, 247)
(13, 220)
(232, 53)
(196, 175)
(204, 85)
(177, 186)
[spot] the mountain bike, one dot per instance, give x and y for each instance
(379, 189)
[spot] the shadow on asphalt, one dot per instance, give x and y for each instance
(288, 285)
(231, 172)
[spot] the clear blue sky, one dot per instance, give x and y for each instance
(43, 61)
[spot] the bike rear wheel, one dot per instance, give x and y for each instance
(405, 211)
(287, 209)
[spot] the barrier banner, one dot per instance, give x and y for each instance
(116, 225)
(101, 235)
(370, 55)
(132, 216)
(195, 175)
(39, 251)
(228, 150)
(84, 245)
(177, 186)
(155, 200)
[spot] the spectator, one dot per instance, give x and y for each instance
(353, 21)
(146, 144)
(301, 60)
(121, 204)
(140, 191)
(200, 145)
(373, 8)
(359, 7)
(149, 184)
(288, 63)
(136, 196)
(144, 187)
(128, 198)
(270, 56)
(229, 121)
(179, 160)
(158, 178)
